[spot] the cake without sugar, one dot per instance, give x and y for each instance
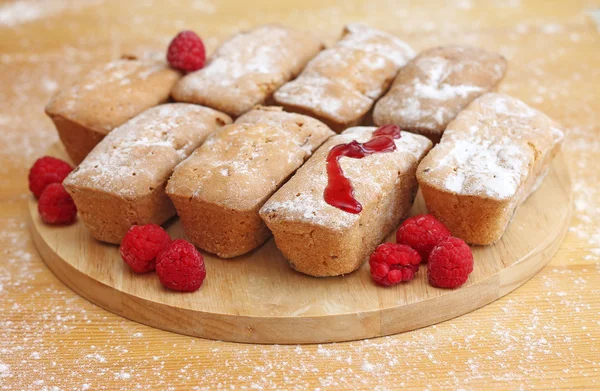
(122, 181)
(107, 97)
(436, 85)
(248, 68)
(491, 157)
(322, 240)
(220, 188)
(340, 85)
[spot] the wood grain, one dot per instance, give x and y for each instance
(543, 335)
(258, 298)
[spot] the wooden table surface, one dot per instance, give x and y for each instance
(544, 335)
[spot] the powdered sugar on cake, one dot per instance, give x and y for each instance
(325, 97)
(433, 88)
(329, 90)
(361, 37)
(490, 149)
(120, 162)
(120, 72)
(247, 68)
(365, 174)
(242, 164)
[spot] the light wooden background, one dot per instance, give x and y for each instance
(544, 335)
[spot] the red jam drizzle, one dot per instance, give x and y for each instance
(339, 191)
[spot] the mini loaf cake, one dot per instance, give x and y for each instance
(322, 240)
(435, 86)
(491, 157)
(107, 97)
(248, 68)
(219, 189)
(340, 85)
(122, 181)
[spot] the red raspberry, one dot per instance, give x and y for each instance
(422, 233)
(450, 263)
(47, 170)
(56, 205)
(180, 266)
(186, 52)
(141, 245)
(393, 263)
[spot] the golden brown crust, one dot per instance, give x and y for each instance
(122, 181)
(246, 69)
(436, 85)
(490, 159)
(219, 189)
(340, 85)
(107, 97)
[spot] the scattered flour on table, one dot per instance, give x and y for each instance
(75, 345)
(24, 11)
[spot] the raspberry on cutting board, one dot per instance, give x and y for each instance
(180, 266)
(422, 232)
(186, 52)
(56, 206)
(141, 245)
(393, 263)
(47, 170)
(450, 263)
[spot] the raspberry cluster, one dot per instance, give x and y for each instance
(55, 205)
(392, 263)
(422, 238)
(178, 263)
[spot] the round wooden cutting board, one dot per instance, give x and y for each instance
(258, 298)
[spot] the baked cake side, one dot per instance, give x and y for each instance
(122, 181)
(490, 158)
(107, 97)
(321, 240)
(340, 85)
(219, 189)
(248, 68)
(436, 85)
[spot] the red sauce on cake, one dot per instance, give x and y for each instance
(339, 191)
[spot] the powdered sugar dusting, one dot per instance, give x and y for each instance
(124, 162)
(255, 155)
(248, 68)
(24, 11)
(431, 90)
(324, 97)
(342, 83)
(361, 37)
(71, 102)
(489, 150)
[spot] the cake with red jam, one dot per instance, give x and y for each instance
(348, 196)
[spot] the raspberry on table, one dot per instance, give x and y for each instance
(56, 206)
(186, 52)
(47, 170)
(180, 266)
(393, 263)
(141, 245)
(450, 263)
(422, 232)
